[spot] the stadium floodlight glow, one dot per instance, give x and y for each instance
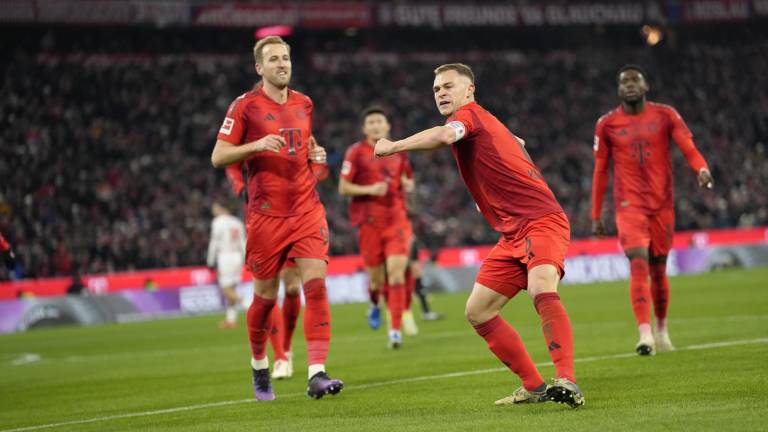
(276, 30)
(653, 35)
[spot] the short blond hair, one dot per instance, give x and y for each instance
(461, 68)
(258, 49)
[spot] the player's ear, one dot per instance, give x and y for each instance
(470, 91)
(259, 68)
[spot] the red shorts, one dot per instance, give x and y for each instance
(377, 242)
(652, 232)
(543, 240)
(273, 241)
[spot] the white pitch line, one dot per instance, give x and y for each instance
(342, 340)
(372, 385)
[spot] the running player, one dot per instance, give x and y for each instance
(378, 210)
(635, 136)
(515, 200)
(269, 129)
(283, 319)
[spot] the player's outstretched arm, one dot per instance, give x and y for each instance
(430, 139)
(225, 153)
(347, 188)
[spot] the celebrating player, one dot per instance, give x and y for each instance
(516, 201)
(635, 136)
(269, 129)
(378, 210)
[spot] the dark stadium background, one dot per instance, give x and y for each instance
(106, 125)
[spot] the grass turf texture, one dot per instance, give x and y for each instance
(112, 370)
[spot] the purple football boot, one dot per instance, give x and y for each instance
(321, 384)
(262, 387)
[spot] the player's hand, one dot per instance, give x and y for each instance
(379, 189)
(271, 143)
(408, 184)
(384, 147)
(598, 228)
(705, 179)
(316, 152)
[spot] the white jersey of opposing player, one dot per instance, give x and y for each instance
(226, 250)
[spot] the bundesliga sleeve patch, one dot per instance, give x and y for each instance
(597, 143)
(346, 168)
(458, 128)
(226, 127)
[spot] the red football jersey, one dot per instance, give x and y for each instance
(504, 182)
(362, 167)
(279, 184)
(639, 147)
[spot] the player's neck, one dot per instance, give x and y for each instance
(634, 108)
(279, 95)
(370, 142)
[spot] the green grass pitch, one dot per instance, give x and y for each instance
(187, 375)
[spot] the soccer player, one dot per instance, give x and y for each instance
(635, 137)
(269, 129)
(285, 318)
(378, 210)
(226, 254)
(515, 200)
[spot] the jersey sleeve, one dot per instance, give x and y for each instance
(233, 128)
(349, 166)
(601, 151)
(463, 122)
(683, 137)
(407, 167)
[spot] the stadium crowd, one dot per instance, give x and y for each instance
(105, 158)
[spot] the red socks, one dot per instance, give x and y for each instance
(557, 332)
(259, 321)
(396, 303)
(660, 293)
(276, 333)
(317, 321)
(506, 344)
(640, 290)
(291, 310)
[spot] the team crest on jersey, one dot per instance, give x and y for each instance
(226, 127)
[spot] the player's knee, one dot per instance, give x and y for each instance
(396, 279)
(475, 314)
(293, 288)
(641, 253)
